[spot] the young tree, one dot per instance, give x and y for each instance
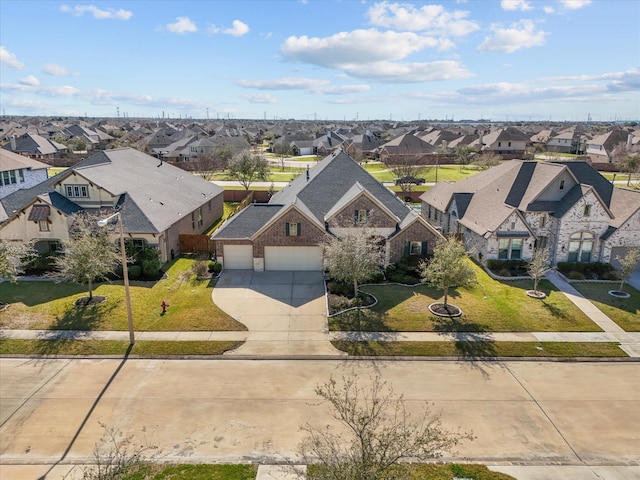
(630, 164)
(487, 160)
(354, 257)
(464, 154)
(282, 150)
(628, 264)
(376, 435)
(206, 164)
(405, 169)
(448, 268)
(11, 258)
(247, 168)
(89, 255)
(538, 266)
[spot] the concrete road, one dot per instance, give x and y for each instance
(581, 415)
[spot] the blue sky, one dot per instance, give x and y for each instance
(322, 59)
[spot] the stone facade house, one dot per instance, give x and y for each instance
(157, 202)
(567, 207)
(19, 172)
(334, 196)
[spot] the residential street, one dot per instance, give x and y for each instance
(583, 416)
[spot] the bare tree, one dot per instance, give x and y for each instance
(628, 264)
(487, 160)
(89, 255)
(405, 170)
(205, 165)
(354, 257)
(282, 150)
(375, 437)
(247, 168)
(538, 266)
(448, 268)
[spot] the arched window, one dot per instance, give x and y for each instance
(580, 247)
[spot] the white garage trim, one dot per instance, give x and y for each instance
(237, 257)
(293, 258)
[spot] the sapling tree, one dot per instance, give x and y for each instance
(628, 264)
(247, 168)
(448, 268)
(538, 266)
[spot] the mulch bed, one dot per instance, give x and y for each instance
(442, 310)
(90, 302)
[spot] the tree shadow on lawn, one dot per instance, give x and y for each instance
(360, 320)
(472, 340)
(84, 318)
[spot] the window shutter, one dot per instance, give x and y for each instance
(299, 229)
(355, 216)
(286, 229)
(423, 250)
(407, 248)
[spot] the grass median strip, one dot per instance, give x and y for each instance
(481, 349)
(114, 347)
(624, 311)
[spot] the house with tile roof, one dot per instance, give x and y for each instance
(334, 196)
(157, 201)
(509, 210)
(19, 172)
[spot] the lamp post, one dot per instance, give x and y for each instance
(125, 272)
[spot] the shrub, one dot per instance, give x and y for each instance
(199, 268)
(135, 271)
(151, 267)
(593, 270)
(340, 288)
(575, 275)
(514, 267)
(505, 272)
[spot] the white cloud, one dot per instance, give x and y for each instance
(522, 34)
(54, 70)
(515, 5)
(548, 9)
(260, 98)
(356, 47)
(238, 29)
(574, 4)
(30, 80)
(98, 13)
(312, 85)
(428, 18)
(182, 25)
(391, 72)
(9, 59)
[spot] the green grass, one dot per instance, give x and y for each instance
(490, 306)
(481, 349)
(114, 347)
(625, 312)
(49, 305)
(194, 472)
(449, 471)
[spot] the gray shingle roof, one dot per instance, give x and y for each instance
(246, 223)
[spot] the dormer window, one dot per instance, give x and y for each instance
(77, 191)
(561, 184)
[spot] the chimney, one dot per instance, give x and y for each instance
(13, 143)
(629, 141)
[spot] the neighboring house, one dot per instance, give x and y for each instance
(34, 146)
(601, 148)
(405, 148)
(507, 211)
(570, 140)
(508, 140)
(334, 196)
(157, 201)
(19, 172)
(327, 143)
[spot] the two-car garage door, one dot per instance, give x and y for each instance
(240, 257)
(293, 258)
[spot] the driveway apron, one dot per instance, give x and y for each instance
(285, 312)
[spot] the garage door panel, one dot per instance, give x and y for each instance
(238, 257)
(293, 258)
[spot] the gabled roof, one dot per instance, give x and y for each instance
(352, 194)
(14, 161)
(245, 224)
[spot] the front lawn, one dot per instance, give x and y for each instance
(624, 311)
(45, 305)
(143, 348)
(490, 306)
(485, 350)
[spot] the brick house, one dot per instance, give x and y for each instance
(157, 201)
(334, 196)
(567, 207)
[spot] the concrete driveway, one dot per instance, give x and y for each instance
(285, 312)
